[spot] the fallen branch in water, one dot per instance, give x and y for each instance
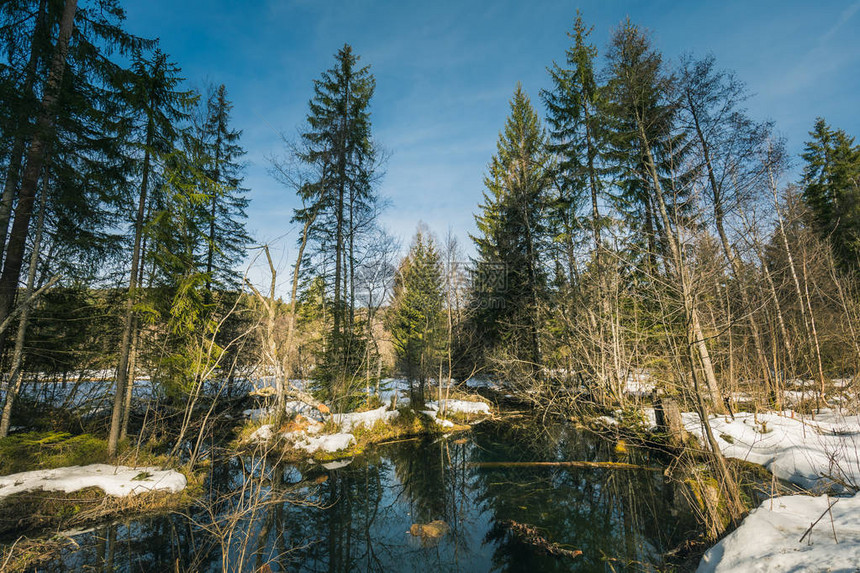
(606, 465)
(385, 443)
(530, 534)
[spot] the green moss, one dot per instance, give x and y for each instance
(48, 450)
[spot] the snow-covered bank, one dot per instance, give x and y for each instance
(291, 407)
(352, 420)
(306, 434)
(325, 442)
(304, 439)
(460, 407)
(821, 454)
(769, 539)
(117, 481)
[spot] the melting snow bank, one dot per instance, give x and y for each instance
(326, 443)
(290, 407)
(819, 455)
(462, 406)
(118, 481)
(769, 539)
(305, 441)
(307, 434)
(367, 419)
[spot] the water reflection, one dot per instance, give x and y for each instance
(357, 518)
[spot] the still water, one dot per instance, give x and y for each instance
(257, 515)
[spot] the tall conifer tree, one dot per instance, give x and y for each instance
(338, 148)
(513, 235)
(415, 315)
(832, 189)
(227, 236)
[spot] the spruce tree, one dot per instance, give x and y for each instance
(415, 315)
(649, 150)
(71, 129)
(338, 149)
(159, 106)
(227, 236)
(511, 279)
(39, 145)
(832, 190)
(640, 112)
(573, 116)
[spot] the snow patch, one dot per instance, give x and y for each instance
(118, 481)
(769, 538)
(263, 434)
(462, 406)
(291, 407)
(325, 443)
(639, 384)
(478, 383)
(352, 420)
(441, 421)
(816, 454)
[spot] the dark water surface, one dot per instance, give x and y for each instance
(357, 518)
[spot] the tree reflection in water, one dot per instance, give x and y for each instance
(357, 518)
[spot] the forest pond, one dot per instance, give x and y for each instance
(358, 517)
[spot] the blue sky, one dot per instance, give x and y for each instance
(446, 69)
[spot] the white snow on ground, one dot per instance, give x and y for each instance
(348, 422)
(290, 406)
(256, 413)
(325, 442)
(817, 454)
(769, 538)
(639, 384)
(262, 434)
(394, 388)
(441, 421)
(118, 481)
(463, 406)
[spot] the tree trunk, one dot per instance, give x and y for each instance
(129, 322)
(16, 156)
(216, 179)
(811, 334)
(17, 357)
(698, 338)
(733, 258)
(129, 387)
(35, 158)
(291, 325)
